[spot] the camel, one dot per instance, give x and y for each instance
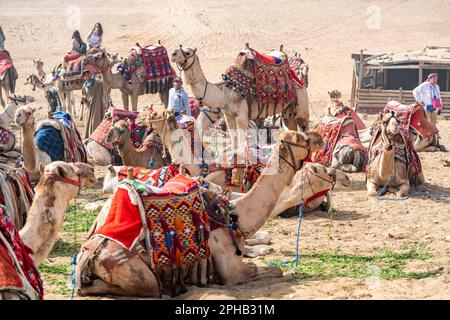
(14, 102)
(97, 154)
(134, 278)
(235, 108)
(386, 168)
(8, 83)
(206, 119)
(32, 155)
(60, 183)
(147, 156)
(133, 88)
(300, 67)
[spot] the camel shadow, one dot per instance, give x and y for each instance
(341, 215)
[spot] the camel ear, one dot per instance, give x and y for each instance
(111, 170)
(315, 140)
(32, 109)
(195, 51)
(41, 168)
(61, 171)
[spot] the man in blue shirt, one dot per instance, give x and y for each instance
(179, 99)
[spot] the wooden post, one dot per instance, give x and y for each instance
(353, 94)
(361, 68)
(400, 94)
(420, 72)
(447, 81)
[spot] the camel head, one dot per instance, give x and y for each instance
(117, 133)
(298, 145)
(114, 59)
(24, 116)
(390, 123)
(67, 176)
(328, 174)
(161, 120)
(184, 56)
(38, 64)
(96, 58)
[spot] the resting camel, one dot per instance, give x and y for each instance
(235, 108)
(147, 156)
(32, 155)
(134, 278)
(133, 88)
(60, 183)
(387, 167)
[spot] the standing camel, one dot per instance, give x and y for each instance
(133, 88)
(60, 183)
(236, 110)
(133, 277)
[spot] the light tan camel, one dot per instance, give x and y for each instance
(120, 136)
(235, 108)
(14, 102)
(386, 167)
(134, 278)
(97, 154)
(59, 184)
(32, 155)
(133, 88)
(8, 84)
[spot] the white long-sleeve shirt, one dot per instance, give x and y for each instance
(423, 93)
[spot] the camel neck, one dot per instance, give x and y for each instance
(44, 220)
(255, 207)
(28, 147)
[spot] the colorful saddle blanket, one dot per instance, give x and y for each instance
(74, 69)
(138, 128)
(412, 116)
(151, 177)
(17, 270)
(4, 137)
(269, 79)
(175, 216)
(5, 62)
(348, 112)
(403, 148)
(16, 194)
(336, 131)
(60, 138)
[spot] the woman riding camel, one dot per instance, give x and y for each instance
(95, 36)
(78, 48)
(92, 98)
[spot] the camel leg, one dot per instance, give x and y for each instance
(403, 190)
(134, 100)
(2, 102)
(125, 100)
(371, 189)
(131, 278)
(229, 265)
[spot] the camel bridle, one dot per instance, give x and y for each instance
(182, 66)
(207, 111)
(57, 177)
(293, 164)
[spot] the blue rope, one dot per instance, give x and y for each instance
(384, 187)
(422, 196)
(74, 265)
(297, 255)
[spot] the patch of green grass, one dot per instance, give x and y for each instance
(78, 219)
(64, 248)
(271, 222)
(58, 285)
(54, 269)
(390, 264)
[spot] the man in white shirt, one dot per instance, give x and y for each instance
(429, 94)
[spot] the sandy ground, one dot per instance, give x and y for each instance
(325, 33)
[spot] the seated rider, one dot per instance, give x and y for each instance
(95, 36)
(78, 48)
(179, 99)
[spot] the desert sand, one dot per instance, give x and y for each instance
(326, 33)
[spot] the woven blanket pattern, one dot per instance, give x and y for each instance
(348, 112)
(329, 129)
(16, 194)
(4, 136)
(412, 116)
(49, 140)
(251, 175)
(22, 254)
(151, 177)
(133, 64)
(74, 69)
(5, 61)
(403, 148)
(157, 69)
(240, 76)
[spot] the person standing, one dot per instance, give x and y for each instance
(95, 36)
(179, 99)
(2, 40)
(429, 95)
(92, 98)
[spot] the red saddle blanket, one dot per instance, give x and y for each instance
(348, 112)
(412, 116)
(138, 130)
(15, 254)
(176, 218)
(5, 61)
(336, 131)
(403, 148)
